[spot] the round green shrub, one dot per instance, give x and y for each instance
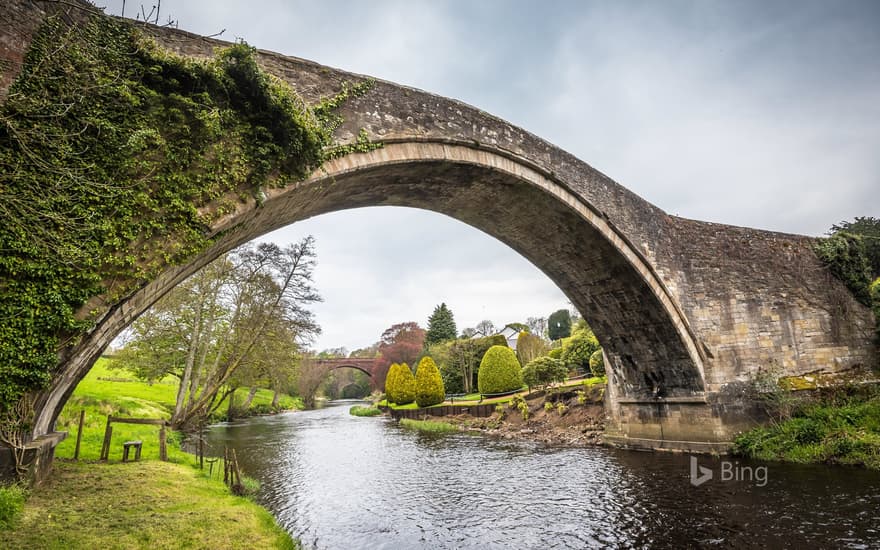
(499, 371)
(400, 385)
(429, 384)
(543, 371)
(597, 363)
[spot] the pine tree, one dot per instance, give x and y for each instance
(441, 326)
(429, 384)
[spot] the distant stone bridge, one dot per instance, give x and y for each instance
(686, 311)
(366, 366)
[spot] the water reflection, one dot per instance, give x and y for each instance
(337, 481)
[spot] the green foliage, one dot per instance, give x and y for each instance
(555, 353)
(844, 254)
(400, 384)
(430, 426)
(115, 159)
(499, 371)
(561, 408)
(869, 229)
(544, 371)
(441, 326)
(357, 410)
(597, 363)
(548, 406)
(874, 291)
(12, 499)
(842, 427)
(429, 385)
(529, 347)
(577, 350)
(559, 324)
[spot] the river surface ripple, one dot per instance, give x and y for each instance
(341, 482)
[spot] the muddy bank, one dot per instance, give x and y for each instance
(572, 418)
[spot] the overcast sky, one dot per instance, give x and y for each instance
(762, 114)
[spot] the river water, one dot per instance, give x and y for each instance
(343, 482)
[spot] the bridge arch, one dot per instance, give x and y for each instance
(687, 311)
(645, 334)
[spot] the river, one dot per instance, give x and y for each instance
(341, 482)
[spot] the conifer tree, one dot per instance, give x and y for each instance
(441, 326)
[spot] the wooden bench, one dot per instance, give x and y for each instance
(126, 447)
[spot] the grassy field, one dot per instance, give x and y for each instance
(139, 505)
(107, 391)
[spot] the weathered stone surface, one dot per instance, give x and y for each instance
(687, 311)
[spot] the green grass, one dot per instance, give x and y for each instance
(140, 505)
(357, 410)
(843, 428)
(430, 426)
(100, 397)
(12, 499)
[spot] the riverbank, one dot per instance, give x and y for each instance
(148, 504)
(839, 426)
(574, 416)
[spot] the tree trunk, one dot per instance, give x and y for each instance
(275, 397)
(230, 410)
(250, 397)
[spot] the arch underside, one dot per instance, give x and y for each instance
(350, 366)
(645, 339)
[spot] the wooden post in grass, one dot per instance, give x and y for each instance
(108, 433)
(163, 449)
(79, 434)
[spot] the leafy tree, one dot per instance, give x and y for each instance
(869, 229)
(441, 326)
(597, 363)
(543, 371)
(537, 326)
(309, 377)
(559, 324)
(486, 327)
(216, 329)
(529, 347)
(468, 332)
(519, 327)
(429, 385)
(400, 343)
(499, 371)
(577, 349)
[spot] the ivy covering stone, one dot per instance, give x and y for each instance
(116, 157)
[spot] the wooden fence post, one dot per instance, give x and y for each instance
(79, 434)
(163, 449)
(108, 433)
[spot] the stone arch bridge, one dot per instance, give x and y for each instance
(687, 311)
(366, 366)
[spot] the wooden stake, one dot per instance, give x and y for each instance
(79, 434)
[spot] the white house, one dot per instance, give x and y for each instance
(510, 334)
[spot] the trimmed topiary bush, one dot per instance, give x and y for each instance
(499, 371)
(597, 363)
(400, 385)
(544, 371)
(429, 384)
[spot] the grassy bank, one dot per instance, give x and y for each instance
(364, 411)
(107, 391)
(840, 427)
(430, 426)
(139, 505)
